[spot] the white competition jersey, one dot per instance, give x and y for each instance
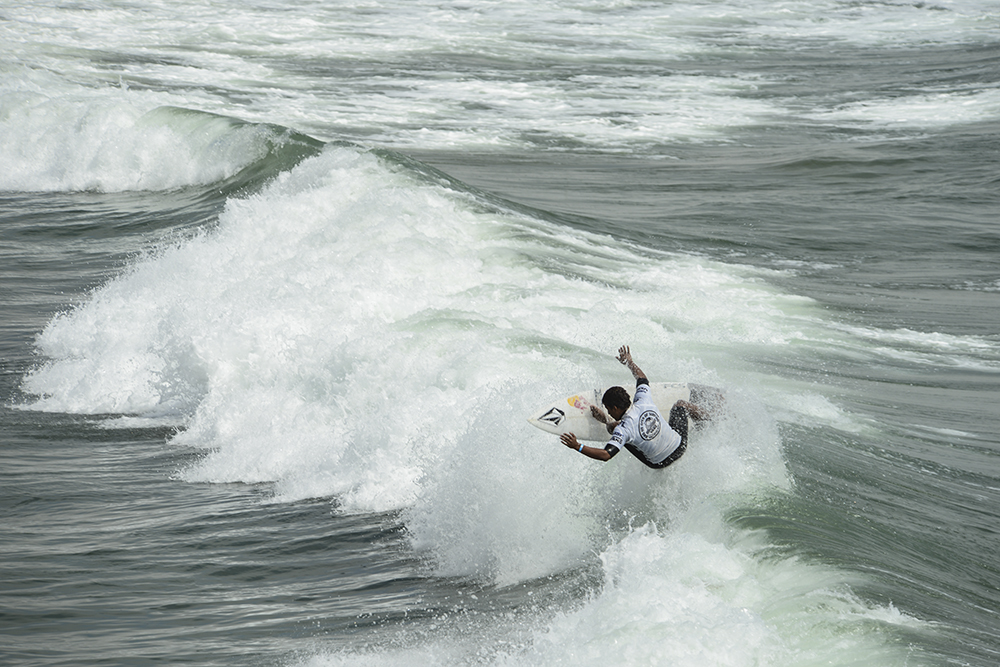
(643, 431)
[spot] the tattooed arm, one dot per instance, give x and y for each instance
(625, 357)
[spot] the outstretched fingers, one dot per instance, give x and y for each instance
(624, 354)
(569, 440)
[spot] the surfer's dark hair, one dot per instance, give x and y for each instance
(616, 397)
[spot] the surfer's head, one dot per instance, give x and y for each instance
(616, 401)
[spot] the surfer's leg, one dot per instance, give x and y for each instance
(678, 420)
(697, 414)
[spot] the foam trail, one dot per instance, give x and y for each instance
(681, 599)
(918, 111)
(697, 594)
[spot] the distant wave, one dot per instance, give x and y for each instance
(70, 143)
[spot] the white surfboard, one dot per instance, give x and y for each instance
(572, 414)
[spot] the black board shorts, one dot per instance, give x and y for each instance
(678, 421)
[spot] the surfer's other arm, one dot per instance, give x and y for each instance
(625, 357)
(599, 415)
(596, 453)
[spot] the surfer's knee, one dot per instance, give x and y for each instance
(697, 413)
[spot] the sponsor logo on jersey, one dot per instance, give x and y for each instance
(649, 425)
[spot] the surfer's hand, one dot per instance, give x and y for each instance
(598, 414)
(624, 355)
(570, 440)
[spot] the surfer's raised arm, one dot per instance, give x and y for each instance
(625, 357)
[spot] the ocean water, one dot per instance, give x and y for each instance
(280, 282)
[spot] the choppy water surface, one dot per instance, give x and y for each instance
(280, 283)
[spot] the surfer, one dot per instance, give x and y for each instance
(639, 427)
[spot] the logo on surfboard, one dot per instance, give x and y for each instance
(554, 416)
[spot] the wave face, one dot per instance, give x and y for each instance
(366, 330)
(371, 309)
